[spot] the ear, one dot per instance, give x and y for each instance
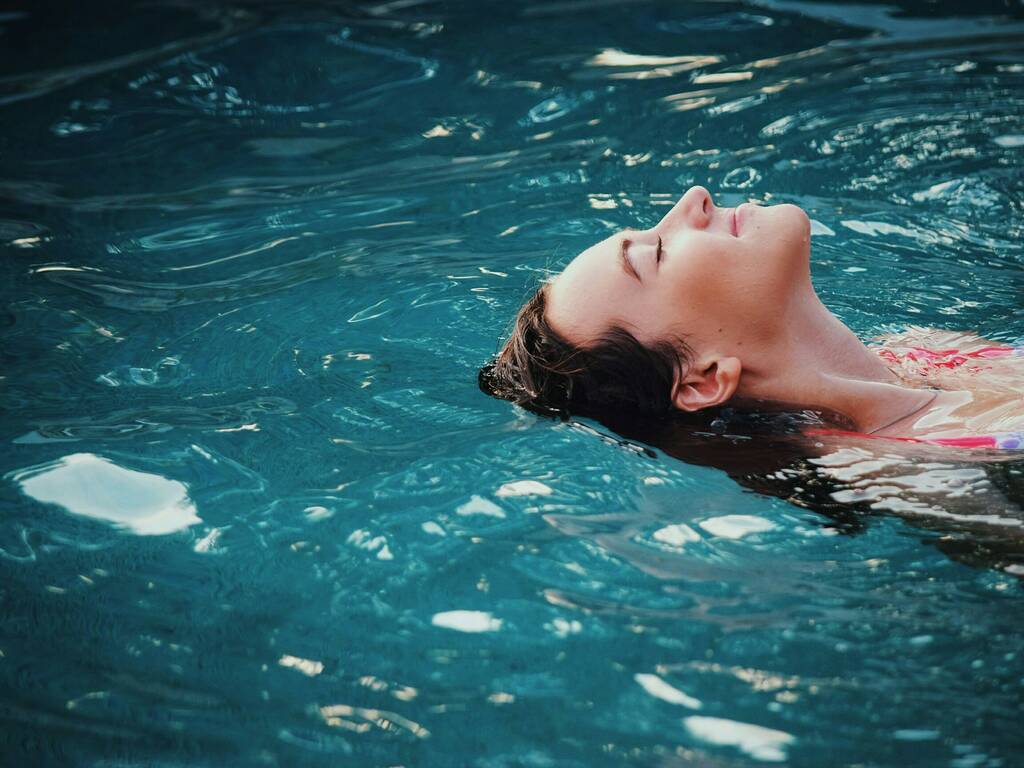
(708, 384)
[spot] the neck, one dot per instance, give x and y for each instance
(819, 363)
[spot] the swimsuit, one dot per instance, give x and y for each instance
(948, 359)
(1006, 441)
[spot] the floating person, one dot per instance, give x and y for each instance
(703, 336)
(714, 307)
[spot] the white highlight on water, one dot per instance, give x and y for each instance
(564, 627)
(760, 743)
(676, 535)
(96, 487)
(365, 540)
(659, 689)
(478, 505)
(467, 621)
(817, 228)
(307, 667)
(736, 526)
(313, 514)
(209, 542)
(434, 529)
(523, 488)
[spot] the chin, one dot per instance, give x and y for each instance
(792, 227)
(795, 220)
(794, 212)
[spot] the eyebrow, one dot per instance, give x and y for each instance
(626, 266)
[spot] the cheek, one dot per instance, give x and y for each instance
(704, 271)
(688, 298)
(722, 295)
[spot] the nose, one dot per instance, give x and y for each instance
(694, 209)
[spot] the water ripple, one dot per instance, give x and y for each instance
(255, 255)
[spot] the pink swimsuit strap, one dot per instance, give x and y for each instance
(949, 358)
(1006, 441)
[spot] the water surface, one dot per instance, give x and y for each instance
(254, 510)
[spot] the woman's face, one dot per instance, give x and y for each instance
(721, 278)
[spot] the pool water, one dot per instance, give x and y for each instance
(254, 509)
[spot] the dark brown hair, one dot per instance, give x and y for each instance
(539, 369)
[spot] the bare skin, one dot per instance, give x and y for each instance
(735, 283)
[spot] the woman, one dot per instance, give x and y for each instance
(715, 306)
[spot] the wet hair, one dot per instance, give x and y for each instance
(617, 374)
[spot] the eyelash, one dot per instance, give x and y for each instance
(627, 242)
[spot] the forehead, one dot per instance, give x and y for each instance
(588, 259)
(580, 299)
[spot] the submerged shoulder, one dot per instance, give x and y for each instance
(952, 359)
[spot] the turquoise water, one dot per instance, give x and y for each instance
(254, 509)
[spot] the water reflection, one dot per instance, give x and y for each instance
(93, 486)
(764, 744)
(973, 498)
